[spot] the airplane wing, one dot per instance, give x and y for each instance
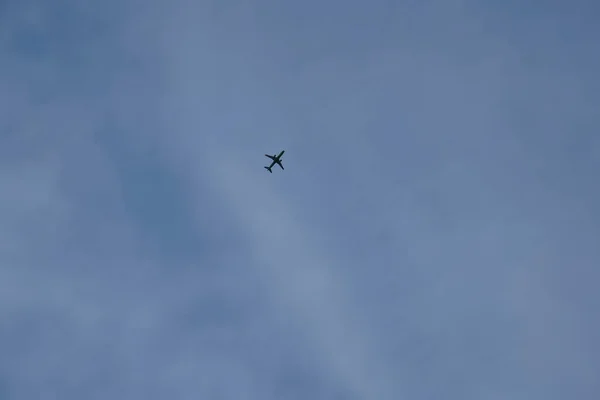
(271, 157)
(278, 163)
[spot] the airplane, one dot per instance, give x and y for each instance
(276, 160)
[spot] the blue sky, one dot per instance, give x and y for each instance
(435, 233)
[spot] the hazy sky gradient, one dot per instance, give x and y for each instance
(436, 232)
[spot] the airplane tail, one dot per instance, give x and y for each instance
(268, 169)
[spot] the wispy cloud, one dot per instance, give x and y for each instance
(433, 234)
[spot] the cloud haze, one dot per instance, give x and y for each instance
(434, 234)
